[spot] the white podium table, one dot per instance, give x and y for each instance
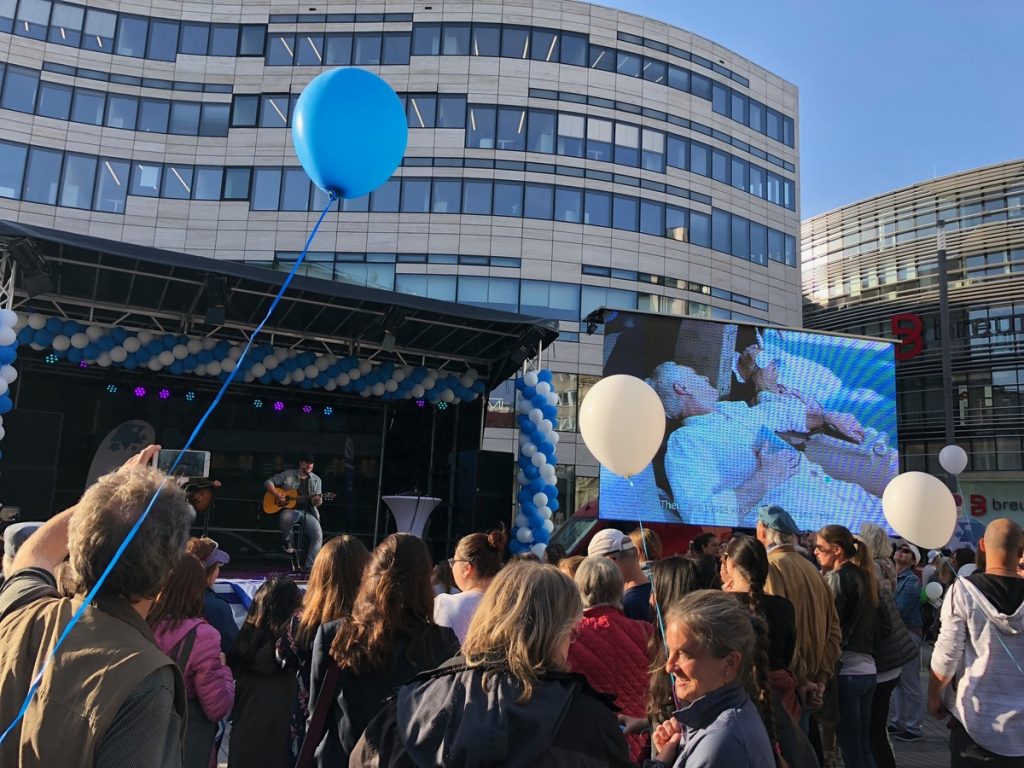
(411, 512)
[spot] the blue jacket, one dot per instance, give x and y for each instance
(908, 598)
(218, 613)
(723, 728)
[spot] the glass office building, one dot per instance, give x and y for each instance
(562, 157)
(872, 268)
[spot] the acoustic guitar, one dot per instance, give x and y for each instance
(293, 500)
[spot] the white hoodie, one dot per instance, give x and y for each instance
(985, 649)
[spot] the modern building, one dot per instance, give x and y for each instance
(562, 157)
(872, 268)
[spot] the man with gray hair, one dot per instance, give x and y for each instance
(791, 575)
(111, 697)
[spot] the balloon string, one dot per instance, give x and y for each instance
(87, 601)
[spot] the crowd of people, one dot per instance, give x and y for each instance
(754, 651)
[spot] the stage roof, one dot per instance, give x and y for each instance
(114, 283)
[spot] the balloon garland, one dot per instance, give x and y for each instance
(8, 354)
(216, 358)
(538, 490)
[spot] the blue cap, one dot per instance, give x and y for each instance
(777, 518)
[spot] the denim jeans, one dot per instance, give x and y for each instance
(908, 700)
(310, 527)
(854, 728)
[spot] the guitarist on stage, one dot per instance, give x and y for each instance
(310, 497)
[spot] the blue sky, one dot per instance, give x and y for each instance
(892, 92)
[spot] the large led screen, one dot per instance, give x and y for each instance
(756, 415)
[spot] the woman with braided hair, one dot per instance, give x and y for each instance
(718, 659)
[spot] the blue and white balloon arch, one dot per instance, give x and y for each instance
(538, 489)
(108, 347)
(8, 354)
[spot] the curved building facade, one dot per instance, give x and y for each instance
(872, 268)
(562, 156)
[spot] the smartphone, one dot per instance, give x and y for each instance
(192, 464)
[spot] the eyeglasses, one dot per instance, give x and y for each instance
(823, 547)
(905, 550)
(453, 560)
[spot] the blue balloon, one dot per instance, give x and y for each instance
(74, 356)
(169, 341)
(289, 365)
(278, 373)
(91, 350)
(531, 471)
(541, 536)
(191, 362)
(552, 493)
(266, 378)
(6, 404)
(306, 384)
(119, 334)
(536, 485)
(142, 356)
(55, 325)
(545, 375)
(553, 504)
(529, 393)
(130, 363)
(529, 508)
(523, 420)
(177, 368)
(349, 131)
(71, 328)
(550, 412)
(106, 343)
(44, 337)
(7, 355)
(26, 334)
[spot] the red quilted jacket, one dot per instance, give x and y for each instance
(611, 652)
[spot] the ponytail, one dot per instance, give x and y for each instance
(858, 553)
(757, 681)
(484, 550)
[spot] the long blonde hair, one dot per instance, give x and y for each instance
(525, 614)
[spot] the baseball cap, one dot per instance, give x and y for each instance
(16, 535)
(209, 552)
(777, 518)
(913, 550)
(609, 542)
(932, 554)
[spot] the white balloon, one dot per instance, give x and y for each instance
(525, 535)
(213, 368)
(200, 369)
(119, 354)
(933, 590)
(195, 346)
(355, 374)
(544, 511)
(235, 353)
(132, 344)
(9, 373)
(154, 364)
(298, 375)
(522, 479)
(208, 342)
(530, 378)
(8, 336)
(553, 438)
(539, 549)
(548, 472)
(524, 406)
(538, 459)
(166, 357)
(94, 332)
(378, 389)
(545, 426)
(60, 343)
(331, 385)
(390, 385)
(227, 365)
(103, 359)
(399, 375)
(552, 398)
(365, 366)
(257, 370)
(311, 371)
(144, 337)
(528, 450)
(466, 380)
(456, 400)
(288, 378)
(522, 521)
(78, 340)
(322, 363)
(429, 382)
(4, 386)
(920, 508)
(953, 459)
(622, 421)
(270, 362)
(536, 415)
(36, 321)
(180, 351)
(473, 372)
(540, 499)
(548, 526)
(417, 390)
(365, 392)
(543, 388)
(342, 379)
(21, 322)
(3, 432)
(447, 395)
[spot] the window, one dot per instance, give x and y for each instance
(42, 175)
(280, 50)
(721, 231)
(757, 185)
(184, 118)
(224, 40)
(153, 115)
(66, 24)
(700, 229)
(309, 50)
(99, 30)
(700, 86)
(486, 40)
(415, 195)
(676, 223)
(774, 130)
(420, 110)
(500, 292)
(451, 112)
(700, 158)
(252, 40)
(32, 19)
(476, 196)
(447, 196)
(244, 111)
(455, 40)
(788, 194)
(624, 213)
(738, 105)
(628, 64)
(207, 183)
(756, 116)
(593, 297)
(426, 39)
(88, 106)
(602, 58)
(738, 170)
(597, 208)
(790, 251)
(559, 301)
(679, 79)
(395, 49)
(599, 139)
(214, 120)
(131, 36)
(573, 49)
(568, 204)
(339, 49)
(367, 49)
(652, 218)
(720, 166)
(386, 197)
(653, 154)
(441, 287)
(163, 40)
(274, 111)
(146, 179)
(121, 111)
(740, 237)
(195, 38)
(481, 127)
(7, 15)
(12, 169)
(177, 182)
(539, 201)
(266, 189)
(627, 144)
(655, 71)
(515, 42)
(774, 188)
(570, 135)
(20, 87)
(508, 198)
(675, 154)
(776, 246)
(55, 101)
(758, 243)
(236, 183)
(511, 129)
(111, 186)
(295, 190)
(541, 131)
(544, 45)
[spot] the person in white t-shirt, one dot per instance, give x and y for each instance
(476, 562)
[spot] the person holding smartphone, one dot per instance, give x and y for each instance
(306, 512)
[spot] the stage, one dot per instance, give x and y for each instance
(69, 409)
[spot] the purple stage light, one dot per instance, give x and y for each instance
(421, 403)
(307, 409)
(140, 391)
(163, 394)
(83, 364)
(278, 406)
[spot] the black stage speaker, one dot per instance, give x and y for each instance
(484, 491)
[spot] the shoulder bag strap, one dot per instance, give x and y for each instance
(182, 650)
(318, 718)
